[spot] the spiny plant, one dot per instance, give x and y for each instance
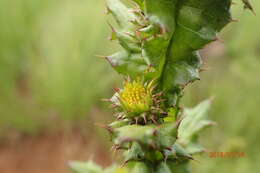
(160, 40)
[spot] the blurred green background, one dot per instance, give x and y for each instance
(50, 79)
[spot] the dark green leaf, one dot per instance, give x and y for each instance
(198, 22)
(162, 12)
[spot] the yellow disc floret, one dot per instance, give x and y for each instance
(135, 97)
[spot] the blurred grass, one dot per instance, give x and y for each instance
(233, 80)
(48, 70)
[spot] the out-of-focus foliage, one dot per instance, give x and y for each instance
(233, 80)
(47, 65)
(91, 167)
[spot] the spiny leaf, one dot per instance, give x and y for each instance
(177, 152)
(247, 5)
(155, 50)
(128, 64)
(198, 22)
(135, 152)
(121, 13)
(142, 134)
(180, 151)
(182, 72)
(194, 121)
(167, 134)
(149, 135)
(128, 42)
(162, 12)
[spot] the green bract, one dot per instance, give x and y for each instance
(160, 42)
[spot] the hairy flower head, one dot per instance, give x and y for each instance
(136, 97)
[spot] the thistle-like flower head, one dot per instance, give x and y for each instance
(136, 96)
